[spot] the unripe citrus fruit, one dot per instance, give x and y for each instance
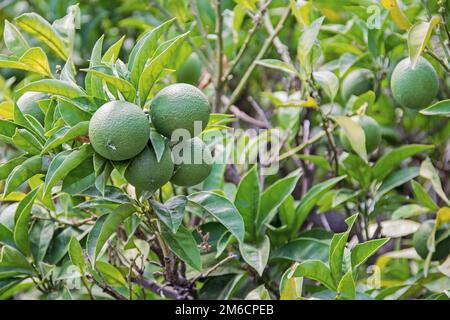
(179, 106)
(420, 242)
(193, 159)
(414, 88)
(357, 82)
(190, 71)
(119, 130)
(147, 173)
(372, 132)
(28, 105)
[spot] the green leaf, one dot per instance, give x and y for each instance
(256, 254)
(273, 197)
(7, 130)
(66, 134)
(40, 237)
(346, 289)
(14, 40)
(259, 293)
(303, 249)
(422, 196)
(391, 160)
(277, 65)
(56, 87)
(306, 43)
(13, 263)
(184, 246)
(79, 179)
(418, 37)
(144, 50)
(71, 113)
(397, 179)
(337, 248)
(329, 83)
(409, 211)
(76, 255)
(309, 200)
(64, 163)
(363, 251)
(355, 135)
(38, 27)
(428, 171)
(113, 51)
(247, 200)
(60, 246)
(155, 68)
(22, 173)
(110, 273)
(37, 61)
(441, 108)
(122, 85)
(171, 213)
(222, 209)
(316, 270)
(22, 222)
(26, 141)
(104, 227)
(8, 166)
(6, 236)
(93, 84)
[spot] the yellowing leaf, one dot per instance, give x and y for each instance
(308, 103)
(443, 216)
(37, 60)
(7, 109)
(397, 14)
(355, 135)
(419, 36)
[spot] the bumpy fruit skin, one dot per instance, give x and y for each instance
(420, 239)
(372, 132)
(178, 106)
(147, 173)
(119, 130)
(28, 105)
(190, 71)
(357, 82)
(198, 166)
(414, 89)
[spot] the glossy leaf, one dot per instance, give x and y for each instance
(256, 254)
(247, 200)
(355, 135)
(104, 228)
(64, 163)
(22, 222)
(389, 161)
(22, 173)
(222, 209)
(38, 27)
(66, 134)
(363, 251)
(171, 213)
(184, 246)
(154, 69)
(316, 270)
(56, 87)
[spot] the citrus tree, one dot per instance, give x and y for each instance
(101, 198)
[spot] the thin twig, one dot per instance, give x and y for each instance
(245, 45)
(240, 87)
(212, 269)
(219, 53)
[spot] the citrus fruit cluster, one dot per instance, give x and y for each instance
(120, 131)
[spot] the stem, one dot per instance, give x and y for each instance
(180, 29)
(256, 24)
(200, 26)
(237, 92)
(219, 53)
